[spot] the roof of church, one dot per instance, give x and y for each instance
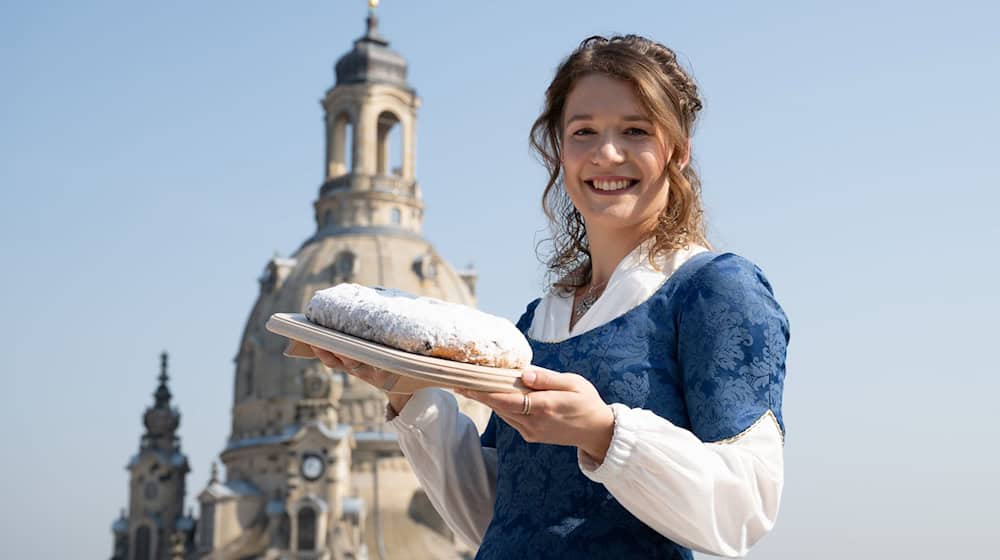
(371, 60)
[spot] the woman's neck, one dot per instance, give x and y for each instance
(607, 249)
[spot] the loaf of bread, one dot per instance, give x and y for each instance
(420, 325)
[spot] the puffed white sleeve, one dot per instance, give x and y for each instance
(454, 467)
(719, 498)
(713, 485)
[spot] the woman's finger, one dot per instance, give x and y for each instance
(361, 370)
(507, 403)
(541, 379)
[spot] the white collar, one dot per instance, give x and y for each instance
(633, 281)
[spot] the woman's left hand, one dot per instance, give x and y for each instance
(565, 410)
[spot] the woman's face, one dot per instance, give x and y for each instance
(613, 156)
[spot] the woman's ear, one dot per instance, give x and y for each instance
(687, 156)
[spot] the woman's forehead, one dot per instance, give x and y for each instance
(599, 96)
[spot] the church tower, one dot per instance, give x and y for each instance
(311, 469)
(371, 99)
(154, 526)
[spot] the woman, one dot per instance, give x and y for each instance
(654, 422)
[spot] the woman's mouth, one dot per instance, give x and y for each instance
(611, 186)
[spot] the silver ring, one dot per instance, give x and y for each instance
(526, 405)
(355, 368)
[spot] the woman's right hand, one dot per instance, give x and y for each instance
(365, 372)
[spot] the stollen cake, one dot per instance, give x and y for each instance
(420, 325)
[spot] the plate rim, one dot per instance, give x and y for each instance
(439, 371)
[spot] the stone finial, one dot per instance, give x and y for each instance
(162, 392)
(161, 420)
(214, 478)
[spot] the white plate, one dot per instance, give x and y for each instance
(417, 371)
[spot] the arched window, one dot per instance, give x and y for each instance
(327, 217)
(425, 266)
(348, 147)
(143, 550)
(396, 216)
(307, 529)
(340, 158)
(390, 145)
(345, 267)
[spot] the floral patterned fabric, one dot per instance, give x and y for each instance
(706, 351)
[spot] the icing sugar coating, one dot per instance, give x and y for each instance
(421, 325)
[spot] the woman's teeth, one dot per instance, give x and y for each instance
(612, 185)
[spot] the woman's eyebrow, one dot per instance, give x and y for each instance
(627, 118)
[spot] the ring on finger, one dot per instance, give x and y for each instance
(526, 405)
(355, 368)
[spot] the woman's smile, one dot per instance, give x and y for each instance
(611, 184)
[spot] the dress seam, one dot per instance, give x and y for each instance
(769, 413)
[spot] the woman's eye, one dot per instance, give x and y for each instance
(583, 131)
(636, 132)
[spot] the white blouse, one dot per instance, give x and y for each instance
(714, 497)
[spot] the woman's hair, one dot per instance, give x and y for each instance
(670, 99)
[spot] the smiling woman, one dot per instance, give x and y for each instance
(653, 426)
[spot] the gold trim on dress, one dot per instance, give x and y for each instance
(768, 414)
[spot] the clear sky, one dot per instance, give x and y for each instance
(154, 156)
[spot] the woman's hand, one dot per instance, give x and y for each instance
(565, 410)
(367, 373)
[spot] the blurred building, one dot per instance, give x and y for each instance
(311, 470)
(155, 525)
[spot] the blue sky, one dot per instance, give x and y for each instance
(153, 156)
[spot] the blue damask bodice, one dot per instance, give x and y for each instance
(706, 351)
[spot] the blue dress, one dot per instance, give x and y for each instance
(706, 351)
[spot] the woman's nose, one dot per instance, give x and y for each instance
(608, 151)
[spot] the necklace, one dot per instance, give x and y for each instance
(589, 299)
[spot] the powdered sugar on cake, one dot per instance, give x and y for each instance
(421, 325)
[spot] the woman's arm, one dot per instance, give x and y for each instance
(458, 473)
(719, 498)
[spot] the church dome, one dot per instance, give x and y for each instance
(373, 256)
(371, 60)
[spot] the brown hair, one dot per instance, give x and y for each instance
(670, 97)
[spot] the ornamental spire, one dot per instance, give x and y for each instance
(162, 392)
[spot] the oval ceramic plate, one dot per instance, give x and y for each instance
(417, 371)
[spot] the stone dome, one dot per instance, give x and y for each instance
(371, 60)
(272, 390)
(399, 260)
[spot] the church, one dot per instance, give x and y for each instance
(311, 469)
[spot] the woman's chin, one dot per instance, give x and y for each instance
(614, 218)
